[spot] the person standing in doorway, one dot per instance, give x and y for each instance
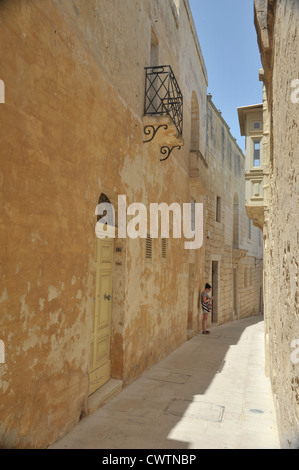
(206, 303)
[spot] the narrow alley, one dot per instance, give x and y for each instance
(148, 185)
(211, 393)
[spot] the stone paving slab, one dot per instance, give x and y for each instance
(211, 393)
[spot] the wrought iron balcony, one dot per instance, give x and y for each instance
(163, 95)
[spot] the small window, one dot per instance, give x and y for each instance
(256, 125)
(257, 153)
(148, 247)
(218, 209)
(249, 229)
(164, 247)
(154, 55)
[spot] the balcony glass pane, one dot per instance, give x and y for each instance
(257, 153)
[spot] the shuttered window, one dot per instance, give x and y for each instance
(164, 246)
(148, 247)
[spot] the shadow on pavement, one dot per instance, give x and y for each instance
(146, 413)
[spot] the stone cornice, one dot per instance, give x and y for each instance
(196, 40)
(264, 13)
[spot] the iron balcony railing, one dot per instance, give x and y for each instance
(163, 95)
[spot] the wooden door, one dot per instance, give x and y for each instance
(99, 372)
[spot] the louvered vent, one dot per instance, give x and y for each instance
(163, 248)
(148, 247)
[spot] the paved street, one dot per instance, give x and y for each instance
(211, 393)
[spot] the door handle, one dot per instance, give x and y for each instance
(107, 297)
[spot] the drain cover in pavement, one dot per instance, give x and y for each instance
(195, 409)
(256, 411)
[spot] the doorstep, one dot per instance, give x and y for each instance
(104, 394)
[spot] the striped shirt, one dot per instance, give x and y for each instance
(206, 306)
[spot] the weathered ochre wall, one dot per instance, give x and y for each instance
(225, 175)
(55, 143)
(71, 128)
(277, 28)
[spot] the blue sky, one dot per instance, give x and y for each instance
(228, 41)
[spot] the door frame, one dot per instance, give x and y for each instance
(102, 234)
(215, 269)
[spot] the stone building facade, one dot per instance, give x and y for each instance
(277, 23)
(234, 253)
(79, 312)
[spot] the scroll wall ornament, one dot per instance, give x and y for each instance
(151, 131)
(167, 151)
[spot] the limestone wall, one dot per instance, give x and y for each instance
(277, 29)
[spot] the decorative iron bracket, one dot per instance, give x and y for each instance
(151, 131)
(167, 151)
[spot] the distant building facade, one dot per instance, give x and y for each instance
(234, 253)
